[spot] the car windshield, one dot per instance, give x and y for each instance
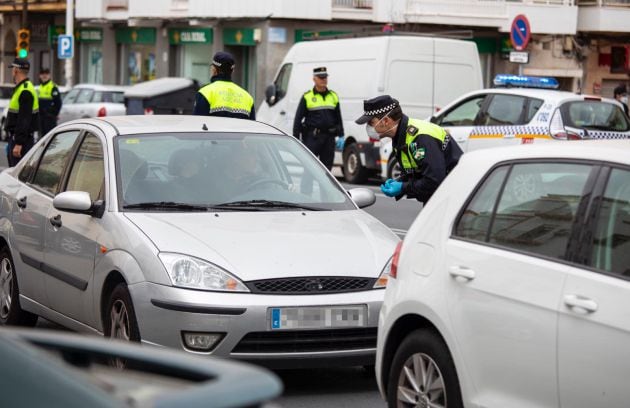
(594, 115)
(222, 171)
(110, 97)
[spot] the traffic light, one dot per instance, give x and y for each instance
(23, 42)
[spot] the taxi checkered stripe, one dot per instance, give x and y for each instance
(607, 135)
(500, 131)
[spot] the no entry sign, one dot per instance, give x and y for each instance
(520, 33)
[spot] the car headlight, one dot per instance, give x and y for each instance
(188, 272)
(383, 278)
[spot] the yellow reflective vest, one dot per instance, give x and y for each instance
(226, 96)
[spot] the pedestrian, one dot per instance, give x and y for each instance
(621, 95)
(49, 102)
(425, 151)
(318, 119)
(22, 120)
(222, 97)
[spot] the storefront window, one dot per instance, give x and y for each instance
(92, 63)
(140, 64)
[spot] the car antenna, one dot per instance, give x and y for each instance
(204, 127)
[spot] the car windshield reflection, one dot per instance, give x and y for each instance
(222, 171)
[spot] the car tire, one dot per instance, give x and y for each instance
(423, 354)
(120, 320)
(393, 168)
(353, 170)
(11, 314)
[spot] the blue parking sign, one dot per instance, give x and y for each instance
(65, 46)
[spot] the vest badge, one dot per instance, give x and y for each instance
(412, 130)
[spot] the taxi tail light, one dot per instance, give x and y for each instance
(566, 135)
(393, 272)
(148, 111)
(101, 112)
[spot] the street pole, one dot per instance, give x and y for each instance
(69, 31)
(24, 11)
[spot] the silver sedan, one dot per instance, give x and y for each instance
(212, 235)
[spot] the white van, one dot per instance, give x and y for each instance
(423, 73)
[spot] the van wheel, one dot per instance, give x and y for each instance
(423, 374)
(353, 170)
(10, 311)
(120, 320)
(393, 168)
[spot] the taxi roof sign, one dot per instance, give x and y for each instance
(504, 80)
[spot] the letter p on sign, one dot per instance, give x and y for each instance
(65, 47)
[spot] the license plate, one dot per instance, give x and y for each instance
(288, 318)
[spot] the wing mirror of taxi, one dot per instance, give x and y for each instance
(362, 197)
(270, 94)
(78, 202)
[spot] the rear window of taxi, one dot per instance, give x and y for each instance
(594, 115)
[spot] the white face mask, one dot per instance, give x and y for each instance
(624, 99)
(371, 130)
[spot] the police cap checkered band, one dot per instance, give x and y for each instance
(381, 110)
(376, 107)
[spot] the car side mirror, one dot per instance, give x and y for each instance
(362, 197)
(270, 94)
(433, 119)
(77, 202)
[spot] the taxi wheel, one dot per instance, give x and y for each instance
(423, 374)
(353, 170)
(120, 320)
(393, 168)
(10, 311)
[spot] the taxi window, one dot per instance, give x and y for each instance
(504, 110)
(463, 114)
(532, 108)
(594, 115)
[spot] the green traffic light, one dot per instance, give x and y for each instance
(23, 53)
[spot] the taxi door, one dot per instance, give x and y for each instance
(500, 122)
(460, 119)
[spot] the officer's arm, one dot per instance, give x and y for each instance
(432, 170)
(339, 120)
(24, 118)
(299, 115)
(202, 107)
(252, 113)
(56, 96)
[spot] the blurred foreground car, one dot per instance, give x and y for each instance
(512, 286)
(91, 101)
(213, 235)
(49, 369)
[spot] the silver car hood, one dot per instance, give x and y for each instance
(263, 245)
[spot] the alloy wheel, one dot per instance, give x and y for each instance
(421, 384)
(119, 328)
(6, 288)
(353, 161)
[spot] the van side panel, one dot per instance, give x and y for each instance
(457, 70)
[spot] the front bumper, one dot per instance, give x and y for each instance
(164, 312)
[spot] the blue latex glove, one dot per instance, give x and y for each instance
(392, 188)
(339, 144)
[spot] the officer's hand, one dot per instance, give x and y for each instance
(340, 141)
(17, 151)
(392, 188)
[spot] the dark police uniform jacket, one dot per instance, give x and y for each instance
(427, 153)
(318, 110)
(23, 122)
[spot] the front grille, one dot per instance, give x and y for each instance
(307, 341)
(310, 285)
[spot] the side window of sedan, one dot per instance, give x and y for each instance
(504, 110)
(54, 161)
(463, 114)
(611, 243)
(88, 172)
(29, 168)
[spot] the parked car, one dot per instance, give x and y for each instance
(44, 368)
(512, 285)
(93, 100)
(213, 235)
(6, 90)
(162, 96)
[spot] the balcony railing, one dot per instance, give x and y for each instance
(352, 4)
(604, 3)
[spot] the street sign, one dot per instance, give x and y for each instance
(520, 57)
(520, 32)
(65, 47)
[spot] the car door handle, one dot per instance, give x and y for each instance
(21, 202)
(580, 303)
(283, 113)
(56, 221)
(457, 271)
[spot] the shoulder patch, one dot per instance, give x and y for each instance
(412, 130)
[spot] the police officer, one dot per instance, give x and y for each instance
(222, 97)
(22, 119)
(425, 151)
(318, 119)
(49, 101)
(621, 96)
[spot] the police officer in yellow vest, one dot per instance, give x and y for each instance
(425, 151)
(49, 101)
(318, 119)
(22, 120)
(222, 97)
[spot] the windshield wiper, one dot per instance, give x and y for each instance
(266, 204)
(167, 205)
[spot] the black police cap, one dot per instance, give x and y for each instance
(223, 60)
(21, 63)
(320, 72)
(376, 107)
(621, 89)
(44, 71)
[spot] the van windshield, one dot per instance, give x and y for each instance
(594, 115)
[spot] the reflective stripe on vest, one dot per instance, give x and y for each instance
(46, 90)
(410, 157)
(26, 86)
(315, 101)
(226, 96)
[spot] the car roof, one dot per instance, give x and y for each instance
(101, 87)
(549, 95)
(612, 151)
(158, 86)
(139, 124)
